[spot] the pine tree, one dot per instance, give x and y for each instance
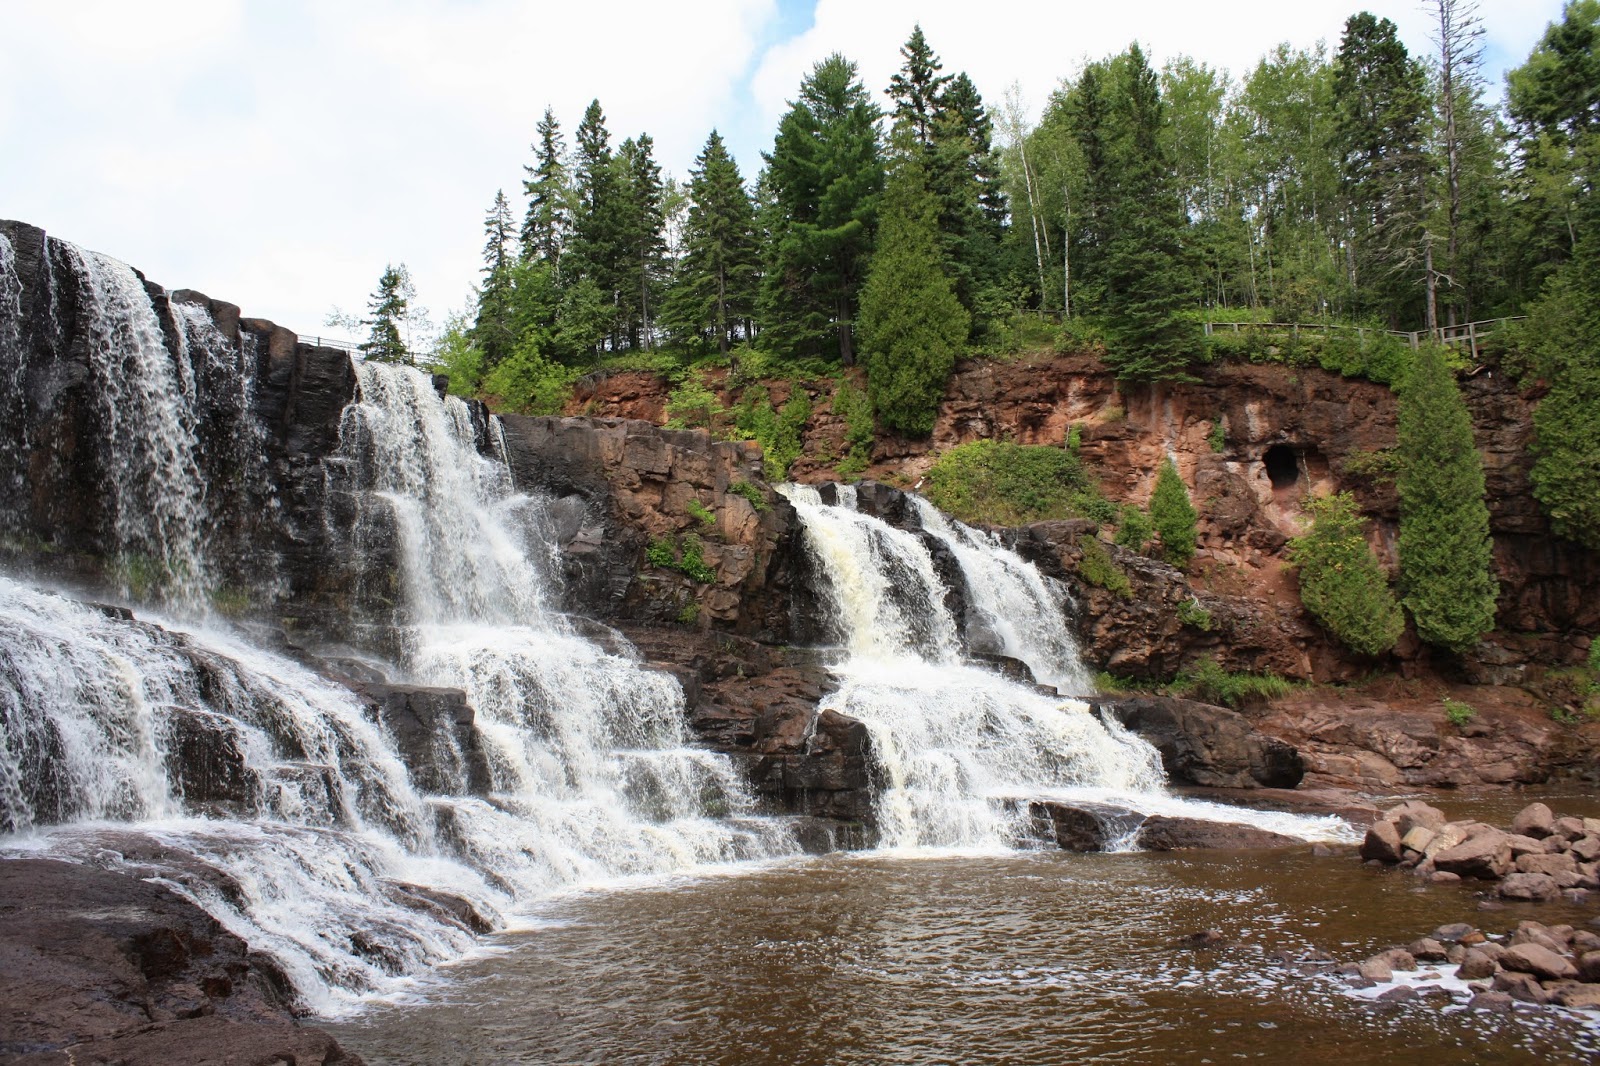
(918, 88)
(493, 333)
(596, 251)
(1380, 105)
(544, 228)
(1446, 556)
(388, 307)
(824, 176)
(912, 326)
(1147, 277)
(1173, 516)
(717, 281)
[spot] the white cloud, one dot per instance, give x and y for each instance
(277, 153)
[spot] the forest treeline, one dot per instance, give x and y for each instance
(1367, 185)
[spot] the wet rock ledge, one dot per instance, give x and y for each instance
(100, 967)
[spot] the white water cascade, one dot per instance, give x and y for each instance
(961, 747)
(589, 751)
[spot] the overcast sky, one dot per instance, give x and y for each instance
(278, 153)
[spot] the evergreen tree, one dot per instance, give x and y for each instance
(717, 282)
(544, 228)
(1342, 583)
(1173, 516)
(824, 176)
(641, 242)
(912, 326)
(596, 252)
(1148, 281)
(1446, 556)
(388, 307)
(1380, 105)
(494, 334)
(918, 88)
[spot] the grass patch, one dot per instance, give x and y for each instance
(751, 493)
(1100, 570)
(1458, 713)
(1210, 683)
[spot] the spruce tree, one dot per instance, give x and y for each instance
(912, 326)
(641, 243)
(824, 175)
(1446, 556)
(1173, 516)
(388, 306)
(918, 88)
(544, 228)
(493, 334)
(1380, 102)
(1147, 276)
(596, 251)
(717, 280)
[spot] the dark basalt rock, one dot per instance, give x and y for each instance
(1205, 745)
(434, 730)
(98, 966)
(1161, 833)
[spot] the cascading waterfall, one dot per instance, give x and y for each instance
(959, 745)
(588, 750)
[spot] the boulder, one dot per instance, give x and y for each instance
(1163, 833)
(1578, 997)
(1399, 959)
(1486, 856)
(1205, 745)
(1427, 950)
(1493, 1002)
(1081, 826)
(1568, 828)
(1476, 965)
(1454, 932)
(1376, 970)
(1586, 849)
(1534, 820)
(1541, 962)
(1382, 843)
(1529, 888)
(1418, 839)
(1589, 966)
(1520, 986)
(1412, 813)
(1551, 864)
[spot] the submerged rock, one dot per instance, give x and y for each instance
(1164, 833)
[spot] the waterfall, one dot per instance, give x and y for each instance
(959, 746)
(589, 749)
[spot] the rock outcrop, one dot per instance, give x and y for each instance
(1205, 745)
(100, 967)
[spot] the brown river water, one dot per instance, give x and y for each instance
(1033, 957)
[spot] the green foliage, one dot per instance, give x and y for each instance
(692, 405)
(855, 407)
(1380, 465)
(458, 358)
(1074, 438)
(1173, 516)
(1005, 484)
(1594, 655)
(779, 433)
(912, 325)
(1341, 581)
(528, 383)
(1190, 613)
(1134, 528)
(1458, 713)
(1566, 468)
(752, 493)
(1446, 557)
(689, 613)
(1218, 437)
(1210, 683)
(686, 555)
(701, 512)
(1096, 566)
(716, 285)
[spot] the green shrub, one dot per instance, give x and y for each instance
(1217, 438)
(1005, 484)
(1097, 567)
(662, 554)
(1594, 654)
(1190, 613)
(693, 563)
(1173, 516)
(1134, 528)
(1341, 581)
(855, 407)
(527, 383)
(751, 493)
(778, 432)
(1210, 683)
(1379, 466)
(1074, 438)
(1458, 713)
(689, 613)
(692, 405)
(700, 511)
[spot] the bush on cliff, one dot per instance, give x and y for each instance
(527, 383)
(1173, 516)
(1003, 484)
(1446, 557)
(1341, 582)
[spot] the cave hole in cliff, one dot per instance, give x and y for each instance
(1283, 466)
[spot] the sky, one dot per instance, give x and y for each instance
(278, 154)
